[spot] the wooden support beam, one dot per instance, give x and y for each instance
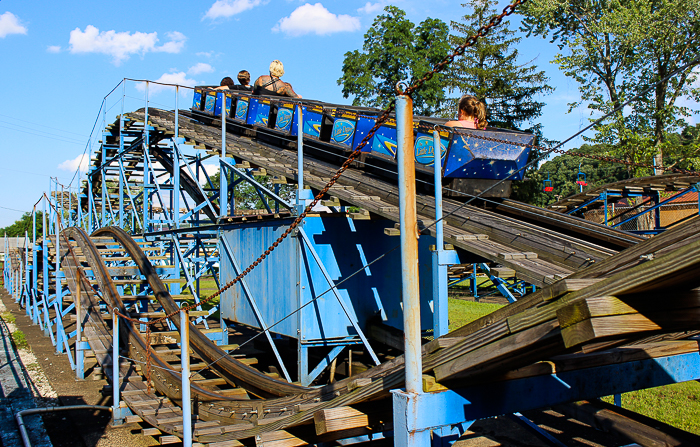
(636, 427)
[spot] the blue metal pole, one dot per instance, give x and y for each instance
(116, 380)
(410, 290)
(120, 222)
(45, 262)
(440, 320)
(35, 310)
(146, 152)
(300, 160)
(185, 372)
(223, 181)
(79, 356)
(176, 159)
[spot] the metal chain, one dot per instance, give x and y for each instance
(470, 41)
(458, 51)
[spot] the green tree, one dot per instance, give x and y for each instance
(246, 196)
(396, 50)
(24, 223)
(491, 71)
(617, 48)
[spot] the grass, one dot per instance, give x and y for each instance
(462, 312)
(8, 317)
(20, 340)
(677, 404)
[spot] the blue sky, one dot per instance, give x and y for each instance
(60, 59)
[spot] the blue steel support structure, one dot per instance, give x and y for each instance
(194, 252)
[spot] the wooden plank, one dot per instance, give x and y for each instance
(150, 432)
(339, 418)
(636, 427)
(169, 439)
(528, 344)
(388, 335)
(616, 325)
(430, 385)
(611, 305)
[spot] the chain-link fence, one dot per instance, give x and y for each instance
(668, 215)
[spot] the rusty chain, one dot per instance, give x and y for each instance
(458, 51)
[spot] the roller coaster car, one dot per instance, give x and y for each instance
(472, 160)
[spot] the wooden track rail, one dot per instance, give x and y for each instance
(593, 306)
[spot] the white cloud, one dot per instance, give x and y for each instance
(210, 169)
(9, 24)
(177, 78)
(120, 45)
(228, 8)
(53, 49)
(317, 19)
(200, 67)
(207, 54)
(371, 8)
(71, 165)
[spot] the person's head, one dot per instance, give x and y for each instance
(227, 81)
(276, 69)
(244, 77)
(472, 108)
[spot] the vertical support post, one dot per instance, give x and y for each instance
(657, 211)
(35, 310)
(25, 280)
(301, 195)
(116, 380)
(223, 181)
(409, 244)
(410, 289)
(105, 197)
(176, 164)
(45, 263)
(185, 371)
(91, 200)
(177, 111)
(120, 221)
(605, 209)
(146, 172)
(79, 357)
(440, 321)
(58, 302)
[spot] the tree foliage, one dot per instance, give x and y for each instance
(491, 71)
(563, 171)
(24, 223)
(397, 50)
(246, 196)
(614, 50)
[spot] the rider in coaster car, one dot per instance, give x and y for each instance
(471, 115)
(272, 84)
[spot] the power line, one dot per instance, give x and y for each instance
(42, 125)
(44, 136)
(12, 209)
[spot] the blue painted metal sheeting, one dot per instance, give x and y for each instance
(344, 246)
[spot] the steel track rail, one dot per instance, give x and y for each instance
(166, 381)
(228, 367)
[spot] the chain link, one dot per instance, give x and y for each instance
(458, 51)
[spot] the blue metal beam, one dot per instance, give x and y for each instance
(507, 397)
